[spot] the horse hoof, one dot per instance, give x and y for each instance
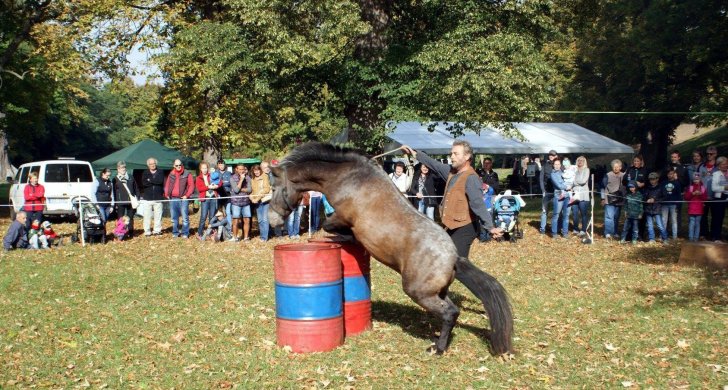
(432, 350)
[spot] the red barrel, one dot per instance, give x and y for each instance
(357, 284)
(309, 287)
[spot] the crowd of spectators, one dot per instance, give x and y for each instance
(652, 202)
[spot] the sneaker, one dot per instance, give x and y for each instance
(608, 236)
(246, 239)
(622, 241)
(652, 242)
(156, 233)
(147, 234)
(634, 242)
(185, 236)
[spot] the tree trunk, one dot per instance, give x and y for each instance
(212, 150)
(4, 158)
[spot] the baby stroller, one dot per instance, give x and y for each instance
(506, 207)
(90, 222)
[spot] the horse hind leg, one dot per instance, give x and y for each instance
(446, 310)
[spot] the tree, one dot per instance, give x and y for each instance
(657, 56)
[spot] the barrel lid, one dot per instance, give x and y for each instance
(313, 246)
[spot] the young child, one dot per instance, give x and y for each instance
(670, 207)
(50, 236)
(505, 215)
(654, 196)
(569, 175)
(695, 194)
(633, 211)
(122, 228)
(219, 229)
(488, 194)
(35, 236)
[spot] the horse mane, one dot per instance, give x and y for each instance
(319, 152)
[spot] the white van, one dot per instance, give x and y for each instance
(64, 180)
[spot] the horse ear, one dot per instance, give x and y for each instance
(277, 171)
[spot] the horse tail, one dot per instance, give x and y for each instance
(495, 301)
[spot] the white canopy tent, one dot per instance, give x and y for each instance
(539, 139)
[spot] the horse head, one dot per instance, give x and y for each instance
(285, 198)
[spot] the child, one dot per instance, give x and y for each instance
(654, 196)
(569, 175)
(633, 211)
(122, 228)
(35, 236)
(505, 215)
(695, 194)
(219, 228)
(670, 208)
(49, 234)
(488, 193)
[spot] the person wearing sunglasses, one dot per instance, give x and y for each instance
(706, 173)
(178, 188)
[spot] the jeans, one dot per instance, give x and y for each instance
(694, 227)
(427, 210)
(179, 208)
(669, 213)
(580, 210)
(631, 224)
(105, 212)
(228, 212)
(33, 216)
(545, 202)
(207, 212)
(261, 211)
(561, 206)
(315, 209)
(717, 210)
(293, 223)
(152, 209)
(611, 219)
(655, 219)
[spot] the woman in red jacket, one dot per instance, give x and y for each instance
(207, 189)
(34, 195)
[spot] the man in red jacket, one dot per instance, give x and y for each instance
(178, 188)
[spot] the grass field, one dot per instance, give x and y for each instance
(162, 313)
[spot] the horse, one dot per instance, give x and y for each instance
(371, 208)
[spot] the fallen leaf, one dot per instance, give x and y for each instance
(610, 347)
(179, 336)
(627, 384)
(682, 344)
(550, 359)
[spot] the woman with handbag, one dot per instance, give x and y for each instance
(126, 195)
(261, 195)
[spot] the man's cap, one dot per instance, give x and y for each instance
(46, 224)
(653, 175)
(553, 153)
(631, 184)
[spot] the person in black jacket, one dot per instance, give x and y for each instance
(654, 195)
(547, 188)
(489, 176)
(125, 188)
(105, 194)
(423, 190)
(153, 194)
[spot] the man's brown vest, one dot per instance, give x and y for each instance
(454, 210)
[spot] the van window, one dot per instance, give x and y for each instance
(22, 176)
(80, 173)
(56, 173)
(36, 169)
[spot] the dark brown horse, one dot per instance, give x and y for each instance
(370, 206)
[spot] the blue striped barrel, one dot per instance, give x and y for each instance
(357, 285)
(309, 287)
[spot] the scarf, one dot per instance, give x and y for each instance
(123, 178)
(614, 181)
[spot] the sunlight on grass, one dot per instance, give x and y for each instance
(160, 313)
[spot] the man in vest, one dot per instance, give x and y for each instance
(462, 207)
(178, 188)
